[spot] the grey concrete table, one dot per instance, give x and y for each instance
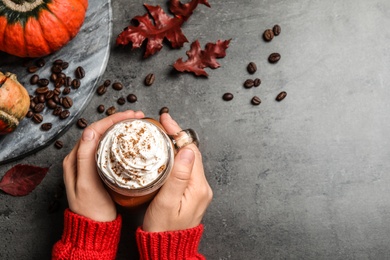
(306, 178)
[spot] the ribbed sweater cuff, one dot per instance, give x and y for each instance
(88, 235)
(181, 244)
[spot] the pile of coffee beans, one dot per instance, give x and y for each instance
(268, 36)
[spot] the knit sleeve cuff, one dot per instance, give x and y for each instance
(181, 244)
(88, 235)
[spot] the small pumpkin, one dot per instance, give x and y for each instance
(14, 102)
(36, 28)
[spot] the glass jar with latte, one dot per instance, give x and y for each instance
(135, 157)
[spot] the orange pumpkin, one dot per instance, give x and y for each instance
(36, 28)
(14, 102)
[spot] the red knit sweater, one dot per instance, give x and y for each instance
(84, 238)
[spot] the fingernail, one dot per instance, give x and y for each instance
(187, 156)
(88, 134)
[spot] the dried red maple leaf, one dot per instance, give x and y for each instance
(21, 179)
(157, 25)
(199, 59)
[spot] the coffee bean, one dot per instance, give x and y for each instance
(58, 62)
(149, 79)
(49, 95)
(29, 114)
(51, 104)
(249, 83)
(131, 98)
(68, 81)
(56, 69)
(66, 91)
(64, 114)
(121, 101)
(80, 73)
(41, 98)
(58, 144)
(53, 77)
(57, 91)
(40, 62)
(111, 111)
(37, 118)
(82, 123)
(76, 83)
(65, 65)
(251, 68)
(107, 83)
(46, 126)
(34, 79)
(39, 107)
(256, 82)
(101, 90)
(32, 69)
(276, 29)
(256, 101)
(281, 96)
(41, 90)
(164, 110)
(274, 57)
(67, 102)
(268, 35)
(62, 75)
(117, 86)
(57, 110)
(59, 82)
(43, 82)
(100, 108)
(32, 104)
(227, 96)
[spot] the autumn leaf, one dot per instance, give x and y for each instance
(21, 179)
(156, 25)
(199, 59)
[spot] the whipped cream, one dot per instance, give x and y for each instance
(133, 154)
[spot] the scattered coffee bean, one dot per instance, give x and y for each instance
(32, 104)
(32, 69)
(101, 90)
(256, 101)
(53, 77)
(281, 96)
(58, 62)
(43, 82)
(39, 107)
(131, 98)
(256, 82)
(274, 57)
(121, 101)
(64, 114)
(67, 102)
(100, 108)
(164, 110)
(37, 118)
(111, 111)
(117, 86)
(46, 126)
(29, 114)
(82, 123)
(80, 73)
(268, 35)
(149, 79)
(57, 111)
(59, 82)
(68, 81)
(34, 79)
(49, 95)
(276, 29)
(66, 91)
(76, 83)
(227, 96)
(41, 98)
(65, 65)
(107, 83)
(56, 69)
(249, 83)
(57, 91)
(251, 68)
(51, 104)
(59, 144)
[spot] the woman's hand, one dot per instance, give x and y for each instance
(184, 198)
(84, 189)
